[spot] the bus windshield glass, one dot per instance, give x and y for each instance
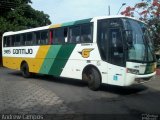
(139, 44)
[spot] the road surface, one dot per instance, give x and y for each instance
(71, 99)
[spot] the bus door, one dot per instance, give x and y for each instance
(116, 71)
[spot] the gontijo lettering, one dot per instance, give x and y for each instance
(22, 51)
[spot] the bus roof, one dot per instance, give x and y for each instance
(25, 31)
(66, 24)
(115, 16)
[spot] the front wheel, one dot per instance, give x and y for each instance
(93, 78)
(25, 70)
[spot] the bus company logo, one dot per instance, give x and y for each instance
(22, 51)
(86, 52)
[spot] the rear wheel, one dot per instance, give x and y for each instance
(25, 70)
(92, 76)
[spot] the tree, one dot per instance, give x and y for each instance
(18, 15)
(148, 11)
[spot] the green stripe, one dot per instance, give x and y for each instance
(83, 21)
(61, 59)
(77, 22)
(50, 57)
(149, 68)
(67, 24)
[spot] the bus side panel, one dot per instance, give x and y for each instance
(49, 59)
(15, 63)
(12, 63)
(82, 56)
(40, 58)
(74, 69)
(56, 59)
(34, 62)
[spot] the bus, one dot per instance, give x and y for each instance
(115, 50)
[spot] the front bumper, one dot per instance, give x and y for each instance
(146, 76)
(137, 79)
(140, 79)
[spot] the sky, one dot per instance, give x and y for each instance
(69, 10)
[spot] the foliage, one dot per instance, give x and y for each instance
(18, 14)
(148, 11)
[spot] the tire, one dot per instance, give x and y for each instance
(25, 70)
(93, 78)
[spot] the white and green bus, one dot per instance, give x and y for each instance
(115, 50)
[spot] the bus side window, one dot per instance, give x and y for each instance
(86, 33)
(51, 32)
(37, 38)
(6, 42)
(34, 42)
(13, 40)
(65, 34)
(74, 34)
(59, 36)
(18, 40)
(9, 41)
(29, 40)
(44, 38)
(23, 39)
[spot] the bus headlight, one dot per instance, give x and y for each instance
(133, 71)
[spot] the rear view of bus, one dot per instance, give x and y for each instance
(127, 47)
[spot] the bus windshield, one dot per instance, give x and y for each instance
(140, 46)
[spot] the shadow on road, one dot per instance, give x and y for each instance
(123, 90)
(50, 78)
(104, 87)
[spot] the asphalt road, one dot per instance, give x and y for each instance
(49, 95)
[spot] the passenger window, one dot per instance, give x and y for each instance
(74, 34)
(34, 42)
(38, 38)
(86, 33)
(6, 42)
(51, 32)
(18, 41)
(23, 39)
(44, 38)
(29, 40)
(60, 35)
(13, 40)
